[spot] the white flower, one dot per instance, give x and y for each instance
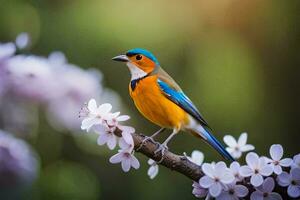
(264, 192)
(197, 157)
(236, 148)
(296, 161)
(127, 160)
(95, 115)
(22, 40)
(106, 136)
(233, 192)
(153, 169)
(256, 168)
(292, 181)
(276, 152)
(199, 191)
(215, 177)
(235, 170)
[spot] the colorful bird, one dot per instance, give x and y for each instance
(159, 98)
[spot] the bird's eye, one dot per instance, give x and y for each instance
(139, 57)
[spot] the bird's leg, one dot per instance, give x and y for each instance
(150, 138)
(162, 147)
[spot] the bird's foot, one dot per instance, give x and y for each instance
(144, 142)
(162, 148)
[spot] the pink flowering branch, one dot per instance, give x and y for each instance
(261, 178)
(172, 161)
(184, 166)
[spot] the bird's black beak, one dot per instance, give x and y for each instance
(121, 58)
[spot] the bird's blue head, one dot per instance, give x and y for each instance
(139, 61)
(142, 52)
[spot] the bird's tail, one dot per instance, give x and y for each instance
(211, 140)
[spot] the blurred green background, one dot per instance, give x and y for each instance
(237, 60)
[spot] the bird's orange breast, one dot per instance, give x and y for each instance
(151, 102)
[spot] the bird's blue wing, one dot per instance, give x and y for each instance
(179, 98)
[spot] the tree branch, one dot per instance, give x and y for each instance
(172, 161)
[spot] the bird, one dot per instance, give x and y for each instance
(160, 99)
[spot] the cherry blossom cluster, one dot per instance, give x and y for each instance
(256, 179)
(106, 124)
(28, 82)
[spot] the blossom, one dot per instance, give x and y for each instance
(235, 170)
(256, 168)
(153, 169)
(265, 191)
(127, 160)
(296, 161)
(95, 115)
(197, 157)
(106, 136)
(236, 148)
(199, 191)
(215, 176)
(233, 192)
(22, 40)
(18, 162)
(292, 181)
(276, 152)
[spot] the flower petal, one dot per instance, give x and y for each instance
(126, 164)
(208, 170)
(197, 157)
(103, 109)
(243, 139)
(116, 158)
(293, 191)
(102, 139)
(247, 147)
(267, 170)
(235, 167)
(246, 171)
(123, 118)
(206, 182)
(256, 180)
(274, 196)
(276, 152)
(236, 154)
(215, 190)
(112, 141)
(227, 177)
(230, 141)
(241, 190)
(257, 195)
(295, 173)
(153, 171)
(286, 162)
(134, 162)
(284, 179)
(277, 169)
(252, 159)
(92, 105)
(128, 138)
(87, 123)
(268, 185)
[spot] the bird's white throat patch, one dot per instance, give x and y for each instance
(135, 71)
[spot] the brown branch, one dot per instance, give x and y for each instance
(172, 161)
